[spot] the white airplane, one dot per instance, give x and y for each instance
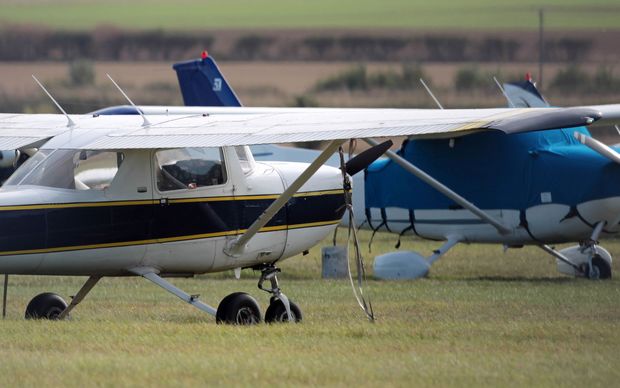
(181, 195)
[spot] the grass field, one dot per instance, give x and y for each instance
(417, 14)
(483, 318)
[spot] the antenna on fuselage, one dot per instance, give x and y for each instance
(512, 105)
(146, 122)
(428, 90)
(70, 122)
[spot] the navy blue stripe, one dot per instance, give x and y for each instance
(64, 227)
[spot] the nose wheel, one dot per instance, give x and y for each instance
(276, 312)
(280, 309)
(597, 268)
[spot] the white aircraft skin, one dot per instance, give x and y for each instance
(543, 221)
(191, 256)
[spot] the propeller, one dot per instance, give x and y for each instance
(363, 159)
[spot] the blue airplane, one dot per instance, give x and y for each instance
(541, 188)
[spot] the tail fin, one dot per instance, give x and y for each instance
(202, 83)
(525, 94)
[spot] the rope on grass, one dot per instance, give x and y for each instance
(358, 291)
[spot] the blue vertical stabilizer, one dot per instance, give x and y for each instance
(202, 84)
(524, 94)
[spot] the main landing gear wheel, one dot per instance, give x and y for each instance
(600, 269)
(276, 312)
(238, 308)
(45, 306)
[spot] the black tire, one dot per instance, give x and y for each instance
(601, 269)
(45, 306)
(276, 312)
(238, 308)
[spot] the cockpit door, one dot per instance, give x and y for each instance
(194, 207)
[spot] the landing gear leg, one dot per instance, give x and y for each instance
(596, 267)
(150, 274)
(90, 283)
(280, 307)
(51, 306)
(588, 259)
(6, 285)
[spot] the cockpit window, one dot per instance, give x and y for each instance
(189, 168)
(27, 167)
(69, 169)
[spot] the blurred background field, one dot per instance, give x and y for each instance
(248, 14)
(320, 53)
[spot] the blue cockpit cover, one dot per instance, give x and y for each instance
(494, 171)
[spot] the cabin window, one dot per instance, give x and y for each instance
(69, 169)
(94, 170)
(189, 168)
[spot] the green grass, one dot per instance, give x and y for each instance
(483, 318)
(194, 14)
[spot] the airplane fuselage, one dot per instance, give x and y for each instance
(110, 218)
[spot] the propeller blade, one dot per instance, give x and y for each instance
(363, 160)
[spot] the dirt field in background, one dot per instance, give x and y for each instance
(275, 82)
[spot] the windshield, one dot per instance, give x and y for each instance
(26, 168)
(68, 169)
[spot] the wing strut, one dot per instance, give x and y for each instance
(239, 245)
(501, 228)
(597, 146)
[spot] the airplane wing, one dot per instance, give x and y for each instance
(29, 130)
(247, 126)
